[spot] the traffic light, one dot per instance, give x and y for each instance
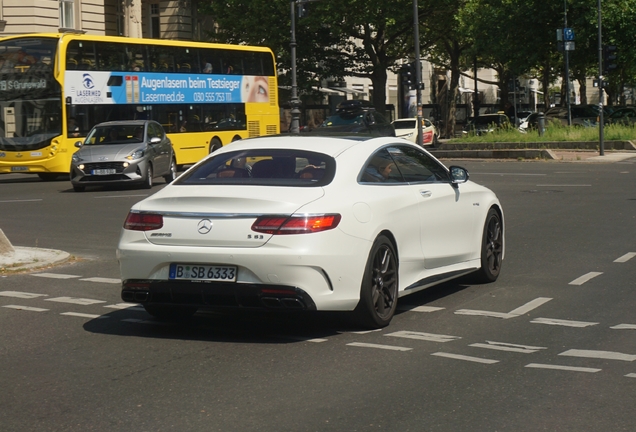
(609, 58)
(407, 74)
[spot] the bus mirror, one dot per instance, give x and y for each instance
(78, 144)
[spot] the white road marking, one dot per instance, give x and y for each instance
(558, 367)
(419, 308)
(26, 308)
(22, 295)
(120, 196)
(103, 280)
(300, 338)
(467, 358)
(624, 327)
(566, 323)
(631, 375)
(586, 277)
(128, 306)
(55, 275)
(606, 355)
(25, 200)
(360, 332)
(423, 336)
(625, 257)
(73, 300)
(385, 347)
(521, 310)
(502, 346)
(82, 315)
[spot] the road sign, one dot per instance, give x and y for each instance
(568, 34)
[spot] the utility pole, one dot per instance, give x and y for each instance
(294, 102)
(418, 72)
(567, 63)
(600, 84)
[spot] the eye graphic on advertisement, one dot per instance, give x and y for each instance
(88, 81)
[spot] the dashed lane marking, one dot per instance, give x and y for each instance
(73, 300)
(423, 336)
(384, 347)
(55, 275)
(566, 323)
(521, 310)
(585, 278)
(624, 327)
(559, 367)
(300, 338)
(631, 375)
(466, 358)
(83, 315)
(606, 355)
(410, 308)
(102, 280)
(625, 257)
(127, 306)
(25, 308)
(503, 346)
(22, 295)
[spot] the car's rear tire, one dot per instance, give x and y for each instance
(148, 178)
(169, 312)
(492, 246)
(172, 174)
(379, 290)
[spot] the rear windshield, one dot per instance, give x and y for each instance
(404, 124)
(265, 167)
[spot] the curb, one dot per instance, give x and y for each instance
(24, 258)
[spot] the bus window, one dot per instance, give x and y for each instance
(185, 58)
(111, 56)
(136, 58)
(161, 59)
(80, 55)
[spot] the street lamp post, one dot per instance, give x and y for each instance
(418, 72)
(600, 84)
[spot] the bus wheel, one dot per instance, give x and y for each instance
(215, 144)
(236, 138)
(148, 179)
(78, 188)
(48, 176)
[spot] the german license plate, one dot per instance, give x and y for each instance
(19, 168)
(103, 171)
(200, 272)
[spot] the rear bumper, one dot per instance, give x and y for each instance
(217, 295)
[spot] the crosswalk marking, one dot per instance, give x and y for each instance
(26, 308)
(502, 346)
(423, 336)
(127, 306)
(559, 367)
(521, 310)
(83, 315)
(411, 308)
(22, 295)
(466, 358)
(625, 257)
(385, 347)
(73, 300)
(605, 355)
(102, 280)
(586, 277)
(55, 275)
(566, 323)
(624, 327)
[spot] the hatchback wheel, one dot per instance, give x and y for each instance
(148, 179)
(492, 246)
(379, 290)
(172, 174)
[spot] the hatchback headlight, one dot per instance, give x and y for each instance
(137, 154)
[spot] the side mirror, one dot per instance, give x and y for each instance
(155, 140)
(78, 144)
(458, 175)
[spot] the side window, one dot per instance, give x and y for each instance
(381, 168)
(154, 131)
(417, 167)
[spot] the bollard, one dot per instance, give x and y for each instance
(541, 124)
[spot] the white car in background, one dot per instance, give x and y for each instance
(407, 128)
(309, 223)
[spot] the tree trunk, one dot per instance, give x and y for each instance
(378, 79)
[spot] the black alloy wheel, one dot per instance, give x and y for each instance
(492, 248)
(379, 290)
(148, 179)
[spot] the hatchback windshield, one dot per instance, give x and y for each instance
(263, 167)
(119, 134)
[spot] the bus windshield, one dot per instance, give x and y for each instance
(30, 97)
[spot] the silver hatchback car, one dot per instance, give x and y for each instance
(123, 152)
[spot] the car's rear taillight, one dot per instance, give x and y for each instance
(143, 221)
(295, 224)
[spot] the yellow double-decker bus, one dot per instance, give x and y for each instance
(55, 87)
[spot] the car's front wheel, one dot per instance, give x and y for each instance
(492, 247)
(379, 290)
(169, 312)
(172, 173)
(148, 178)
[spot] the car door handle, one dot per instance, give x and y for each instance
(426, 193)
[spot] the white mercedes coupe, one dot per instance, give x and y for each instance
(309, 223)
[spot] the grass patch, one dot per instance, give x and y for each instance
(554, 132)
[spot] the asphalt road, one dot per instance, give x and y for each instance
(550, 346)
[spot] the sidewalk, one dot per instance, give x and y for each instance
(15, 259)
